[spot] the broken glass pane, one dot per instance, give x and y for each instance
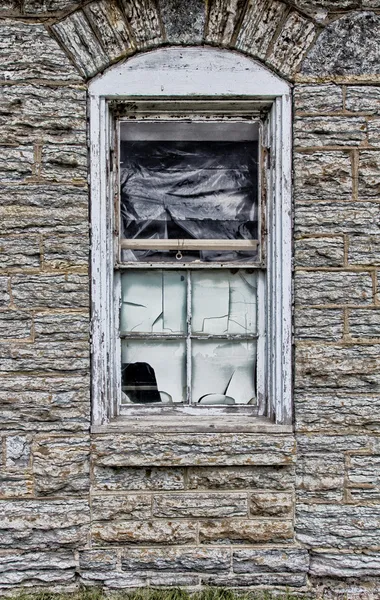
(153, 371)
(223, 372)
(189, 187)
(153, 301)
(224, 302)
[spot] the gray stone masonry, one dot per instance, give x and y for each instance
(297, 511)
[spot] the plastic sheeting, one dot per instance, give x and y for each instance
(189, 190)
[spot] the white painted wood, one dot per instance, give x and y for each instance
(185, 244)
(191, 73)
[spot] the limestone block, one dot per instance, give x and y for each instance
(296, 36)
(16, 163)
(364, 323)
(4, 291)
(223, 20)
(270, 560)
(338, 413)
(364, 250)
(65, 163)
(318, 324)
(338, 367)
(354, 218)
(253, 580)
(348, 46)
(50, 291)
(183, 22)
(65, 326)
(121, 479)
(144, 532)
(37, 568)
(329, 131)
(43, 524)
(369, 173)
(47, 205)
(363, 477)
(363, 98)
(49, 356)
(18, 252)
(198, 559)
(322, 176)
(9, 5)
(320, 477)
(112, 580)
(318, 98)
(200, 505)
(15, 483)
(143, 19)
(271, 504)
(173, 580)
(28, 52)
(15, 325)
(336, 287)
(373, 127)
(97, 560)
(121, 507)
(337, 564)
(319, 252)
(241, 531)
(322, 443)
(334, 526)
(39, 7)
(61, 465)
(40, 113)
(226, 449)
(259, 25)
(106, 20)
(65, 252)
(17, 451)
(277, 477)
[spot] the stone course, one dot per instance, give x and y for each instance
(123, 509)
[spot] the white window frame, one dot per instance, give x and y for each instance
(192, 73)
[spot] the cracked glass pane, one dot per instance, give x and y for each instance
(223, 372)
(153, 302)
(224, 302)
(153, 371)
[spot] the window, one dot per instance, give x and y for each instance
(191, 238)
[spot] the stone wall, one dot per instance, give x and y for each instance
(247, 510)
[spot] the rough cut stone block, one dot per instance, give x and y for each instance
(65, 326)
(121, 479)
(16, 163)
(200, 505)
(322, 176)
(112, 580)
(369, 173)
(271, 504)
(338, 367)
(168, 580)
(329, 564)
(43, 524)
(144, 532)
(17, 451)
(332, 526)
(46, 205)
(37, 568)
(245, 531)
(271, 560)
(363, 98)
(223, 20)
(329, 131)
(364, 323)
(15, 325)
(183, 22)
(281, 477)
(126, 507)
(64, 163)
(319, 252)
(373, 127)
(15, 483)
(318, 324)
(320, 477)
(321, 443)
(259, 26)
(348, 46)
(41, 113)
(192, 449)
(364, 250)
(75, 34)
(296, 36)
(4, 291)
(106, 19)
(340, 413)
(318, 98)
(98, 560)
(28, 52)
(49, 356)
(39, 7)
(50, 291)
(354, 218)
(196, 559)
(61, 465)
(142, 17)
(66, 252)
(253, 580)
(337, 287)
(18, 252)
(363, 477)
